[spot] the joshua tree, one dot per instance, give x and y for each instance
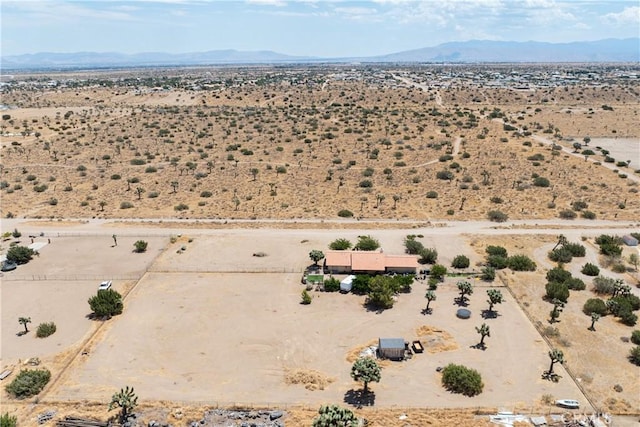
(174, 185)
(495, 297)
(484, 331)
(127, 400)
(633, 260)
(557, 309)
(102, 205)
(379, 199)
(430, 296)
(556, 356)
(316, 255)
(23, 321)
(115, 240)
(396, 199)
(594, 318)
(254, 173)
(139, 191)
(365, 369)
(465, 289)
(562, 240)
(586, 140)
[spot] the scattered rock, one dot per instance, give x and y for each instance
(274, 415)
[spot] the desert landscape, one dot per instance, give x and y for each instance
(233, 176)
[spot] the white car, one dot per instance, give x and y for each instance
(104, 285)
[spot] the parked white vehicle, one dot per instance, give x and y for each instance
(568, 403)
(104, 285)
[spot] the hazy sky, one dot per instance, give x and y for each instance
(326, 28)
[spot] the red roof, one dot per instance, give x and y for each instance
(369, 261)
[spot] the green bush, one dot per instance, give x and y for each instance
(206, 194)
(595, 305)
(444, 175)
(340, 245)
(306, 298)
(496, 250)
(428, 256)
(576, 249)
(181, 207)
(366, 243)
(29, 382)
(634, 355)
(45, 329)
(590, 269)
(20, 254)
(604, 285)
(560, 255)
(381, 292)
(498, 262)
(558, 274)
(541, 182)
(555, 290)
(628, 318)
(462, 380)
(438, 271)
(106, 303)
(567, 214)
(588, 215)
(345, 213)
(360, 285)
(635, 337)
(460, 261)
(497, 216)
(140, 246)
(412, 246)
(432, 195)
(521, 263)
(7, 420)
(331, 285)
(488, 274)
(575, 284)
(126, 205)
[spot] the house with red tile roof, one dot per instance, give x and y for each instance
(369, 262)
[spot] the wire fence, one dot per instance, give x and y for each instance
(66, 277)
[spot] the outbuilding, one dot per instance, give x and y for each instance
(629, 240)
(391, 348)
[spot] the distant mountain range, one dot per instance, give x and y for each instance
(475, 51)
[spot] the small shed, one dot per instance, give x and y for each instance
(346, 284)
(391, 348)
(629, 240)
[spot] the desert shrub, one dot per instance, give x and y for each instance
(345, 213)
(138, 162)
(153, 194)
(7, 420)
(521, 263)
(306, 298)
(579, 205)
(576, 249)
(603, 285)
(366, 243)
(567, 214)
(20, 254)
(610, 249)
(140, 246)
(555, 290)
(497, 216)
(488, 274)
(29, 382)
(340, 245)
(541, 182)
(635, 337)
(575, 284)
(595, 305)
(496, 250)
(618, 267)
(331, 285)
(462, 380)
(498, 262)
(206, 194)
(365, 183)
(560, 255)
(438, 271)
(588, 215)
(460, 261)
(412, 246)
(360, 285)
(444, 175)
(40, 188)
(381, 292)
(432, 195)
(558, 274)
(106, 302)
(126, 205)
(590, 269)
(45, 329)
(629, 318)
(181, 207)
(428, 256)
(496, 200)
(634, 355)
